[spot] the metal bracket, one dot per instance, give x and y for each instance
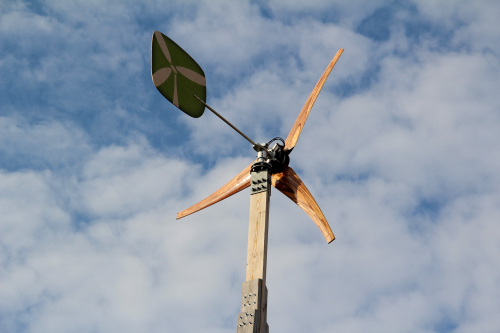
(260, 177)
(252, 318)
(259, 147)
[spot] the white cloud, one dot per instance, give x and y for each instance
(128, 260)
(41, 145)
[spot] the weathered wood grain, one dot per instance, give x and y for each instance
(238, 183)
(257, 236)
(297, 127)
(289, 183)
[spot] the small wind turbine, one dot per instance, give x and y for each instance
(186, 89)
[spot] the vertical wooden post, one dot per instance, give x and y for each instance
(257, 236)
(253, 315)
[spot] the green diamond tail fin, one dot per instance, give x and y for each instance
(177, 76)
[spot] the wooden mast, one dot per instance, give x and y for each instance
(257, 236)
(253, 315)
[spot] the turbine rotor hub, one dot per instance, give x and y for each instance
(275, 158)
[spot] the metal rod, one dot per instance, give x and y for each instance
(227, 122)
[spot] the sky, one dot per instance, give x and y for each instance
(401, 152)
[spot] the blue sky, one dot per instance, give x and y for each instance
(401, 151)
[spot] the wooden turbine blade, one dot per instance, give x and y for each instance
(289, 183)
(294, 134)
(238, 183)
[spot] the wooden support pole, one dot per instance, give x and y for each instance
(257, 236)
(253, 315)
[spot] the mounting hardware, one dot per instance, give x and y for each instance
(253, 314)
(260, 178)
(262, 154)
(259, 147)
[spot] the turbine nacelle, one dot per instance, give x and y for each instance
(276, 156)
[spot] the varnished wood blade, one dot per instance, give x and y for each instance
(294, 134)
(238, 183)
(289, 183)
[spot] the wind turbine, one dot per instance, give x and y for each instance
(186, 89)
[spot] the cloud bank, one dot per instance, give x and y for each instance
(400, 151)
